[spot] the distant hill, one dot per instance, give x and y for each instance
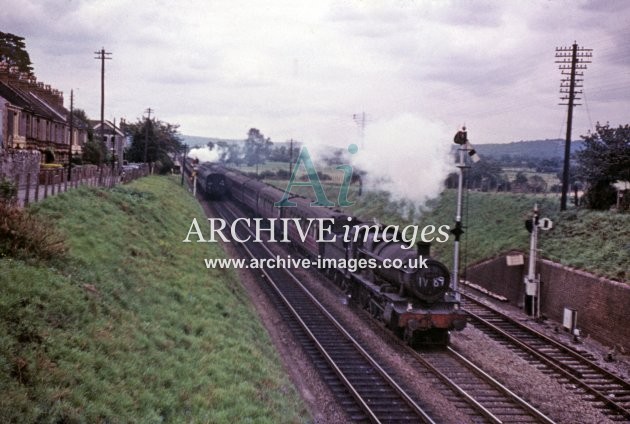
(540, 149)
(197, 141)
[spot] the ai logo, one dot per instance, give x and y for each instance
(304, 158)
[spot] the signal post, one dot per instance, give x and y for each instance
(532, 280)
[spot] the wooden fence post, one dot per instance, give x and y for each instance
(28, 189)
(37, 188)
(17, 189)
(46, 179)
(52, 183)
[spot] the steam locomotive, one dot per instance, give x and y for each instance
(416, 303)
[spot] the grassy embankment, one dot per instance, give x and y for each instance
(598, 242)
(130, 326)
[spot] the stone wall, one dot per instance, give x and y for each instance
(602, 305)
(19, 162)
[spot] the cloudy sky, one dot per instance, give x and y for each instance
(301, 69)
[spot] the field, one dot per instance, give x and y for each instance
(549, 177)
(130, 326)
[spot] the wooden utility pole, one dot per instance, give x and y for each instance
(291, 158)
(572, 62)
(71, 135)
(102, 55)
(146, 133)
(182, 166)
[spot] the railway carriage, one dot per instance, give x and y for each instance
(267, 197)
(211, 181)
(308, 244)
(414, 302)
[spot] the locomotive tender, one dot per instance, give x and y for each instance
(416, 303)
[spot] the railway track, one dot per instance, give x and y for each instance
(336, 355)
(365, 390)
(493, 400)
(594, 384)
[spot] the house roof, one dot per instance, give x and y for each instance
(109, 127)
(28, 100)
(13, 97)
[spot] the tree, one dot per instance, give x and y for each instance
(257, 147)
(162, 141)
(485, 175)
(279, 154)
(13, 51)
(81, 120)
(537, 184)
(94, 152)
(520, 182)
(604, 159)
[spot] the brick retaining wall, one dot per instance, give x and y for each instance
(602, 305)
(496, 276)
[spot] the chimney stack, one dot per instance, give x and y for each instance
(4, 72)
(57, 97)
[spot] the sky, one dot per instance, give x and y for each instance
(302, 69)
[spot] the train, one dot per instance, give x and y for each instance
(415, 303)
(209, 181)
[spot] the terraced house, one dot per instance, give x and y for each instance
(33, 117)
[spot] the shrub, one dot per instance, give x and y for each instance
(601, 196)
(22, 235)
(324, 177)
(8, 192)
(267, 174)
(283, 174)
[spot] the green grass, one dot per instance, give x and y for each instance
(131, 326)
(598, 242)
(493, 222)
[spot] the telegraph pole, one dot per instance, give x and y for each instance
(291, 158)
(146, 133)
(102, 55)
(572, 62)
(359, 118)
(183, 162)
(71, 135)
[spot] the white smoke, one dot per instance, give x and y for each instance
(206, 154)
(407, 156)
